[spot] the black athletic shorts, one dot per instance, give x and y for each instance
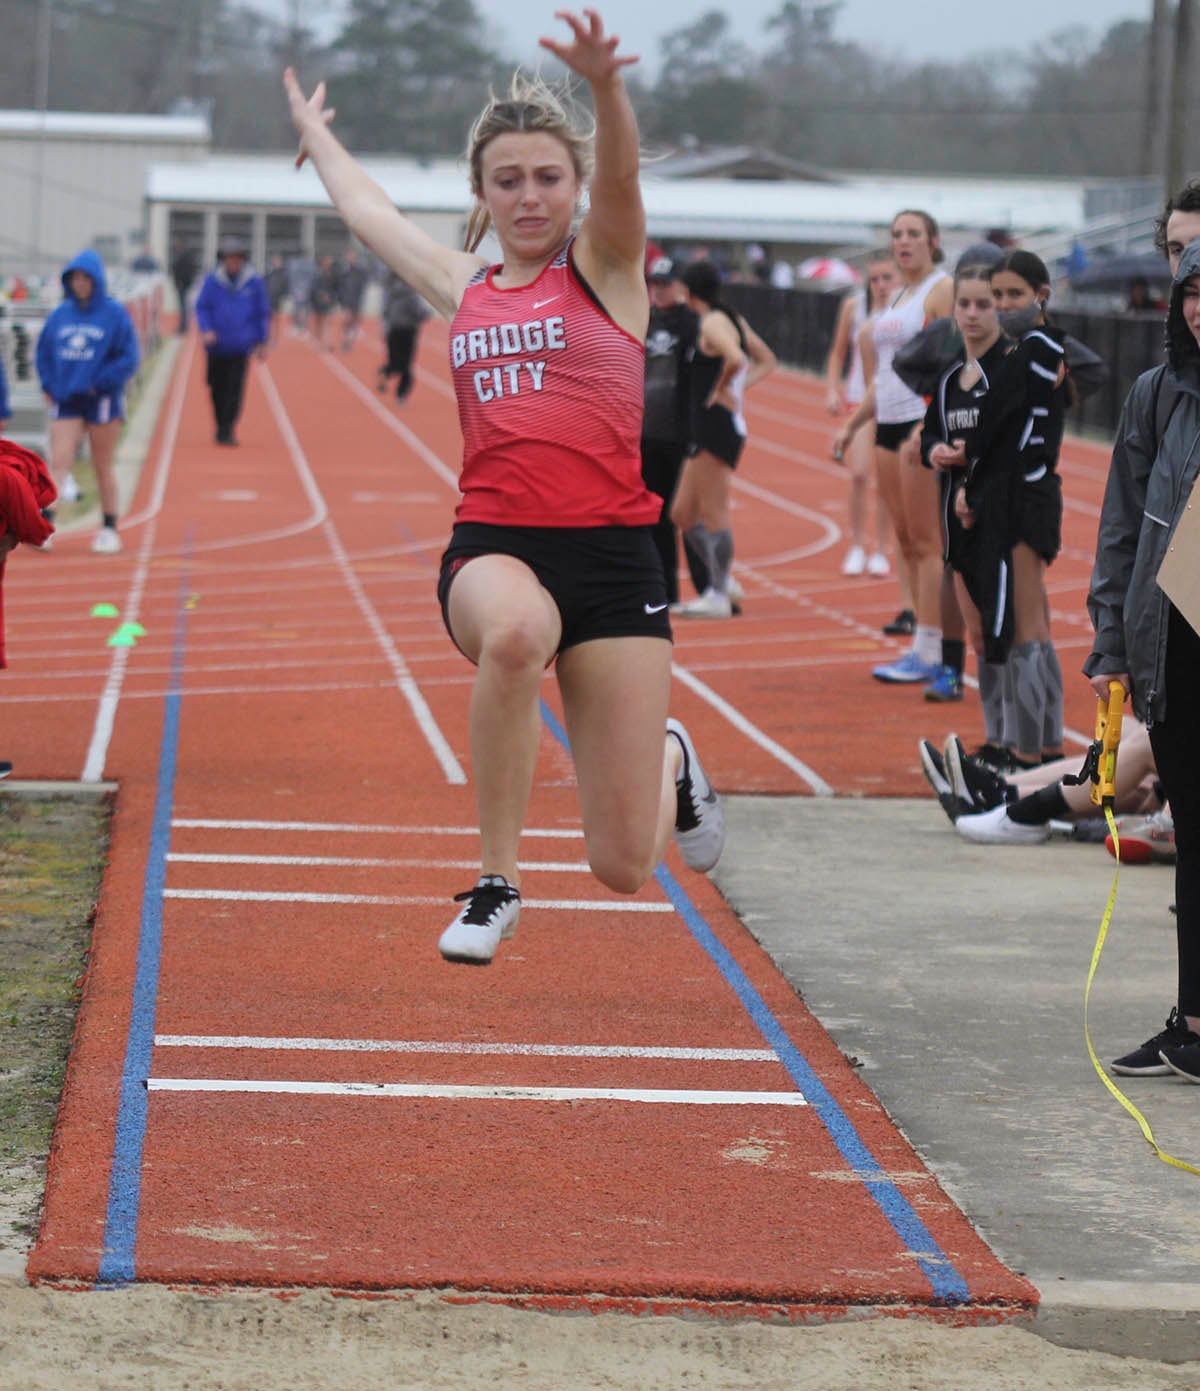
(607, 582)
(1039, 516)
(716, 434)
(893, 436)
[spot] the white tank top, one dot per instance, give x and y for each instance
(891, 328)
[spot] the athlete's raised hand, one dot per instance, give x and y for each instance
(308, 113)
(591, 55)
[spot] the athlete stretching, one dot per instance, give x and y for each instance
(551, 558)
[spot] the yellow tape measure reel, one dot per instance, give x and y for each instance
(1101, 765)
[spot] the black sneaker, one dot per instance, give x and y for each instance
(1185, 1060)
(699, 820)
(493, 907)
(973, 782)
(5, 768)
(1147, 1061)
(934, 769)
(997, 756)
(904, 625)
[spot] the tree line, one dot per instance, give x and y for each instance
(407, 76)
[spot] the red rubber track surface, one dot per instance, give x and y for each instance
(289, 737)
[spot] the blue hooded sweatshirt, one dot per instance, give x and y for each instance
(236, 310)
(86, 349)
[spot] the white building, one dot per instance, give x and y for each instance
(75, 179)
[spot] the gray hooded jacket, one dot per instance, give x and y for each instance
(1148, 490)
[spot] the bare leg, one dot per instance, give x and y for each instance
(615, 698)
(507, 624)
(64, 445)
(103, 439)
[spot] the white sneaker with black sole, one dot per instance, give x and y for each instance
(490, 916)
(699, 820)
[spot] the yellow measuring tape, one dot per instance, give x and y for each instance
(1102, 761)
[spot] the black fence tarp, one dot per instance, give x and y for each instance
(798, 324)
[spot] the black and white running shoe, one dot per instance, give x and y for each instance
(977, 784)
(699, 820)
(1147, 1061)
(934, 768)
(5, 768)
(490, 916)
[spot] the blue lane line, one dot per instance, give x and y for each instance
(125, 1180)
(948, 1285)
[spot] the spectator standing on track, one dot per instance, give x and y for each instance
(1145, 643)
(87, 352)
(845, 388)
(323, 299)
(404, 311)
(729, 358)
(666, 432)
(1033, 685)
(184, 266)
(277, 287)
(551, 559)
(234, 319)
(351, 286)
(910, 491)
(302, 275)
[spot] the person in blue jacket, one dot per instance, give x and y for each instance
(86, 353)
(233, 314)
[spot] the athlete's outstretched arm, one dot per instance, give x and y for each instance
(436, 272)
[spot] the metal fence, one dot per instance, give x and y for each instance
(798, 324)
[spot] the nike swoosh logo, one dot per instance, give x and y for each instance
(537, 304)
(654, 608)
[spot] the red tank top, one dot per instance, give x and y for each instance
(550, 397)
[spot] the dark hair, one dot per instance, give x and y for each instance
(932, 231)
(703, 279)
(1031, 268)
(1187, 200)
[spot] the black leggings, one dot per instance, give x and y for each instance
(1176, 745)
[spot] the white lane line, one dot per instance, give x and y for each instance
(518, 1050)
(408, 687)
(452, 1093)
(205, 824)
(371, 401)
(351, 862)
(752, 731)
(110, 698)
(399, 900)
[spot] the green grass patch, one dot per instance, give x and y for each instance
(52, 853)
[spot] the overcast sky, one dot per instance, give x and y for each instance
(929, 28)
(943, 28)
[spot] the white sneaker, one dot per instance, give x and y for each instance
(69, 492)
(879, 565)
(711, 604)
(492, 909)
(996, 827)
(855, 562)
(106, 541)
(735, 591)
(699, 820)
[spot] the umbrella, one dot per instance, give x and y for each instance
(1117, 272)
(831, 269)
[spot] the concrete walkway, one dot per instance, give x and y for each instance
(960, 992)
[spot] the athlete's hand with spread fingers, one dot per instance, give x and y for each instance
(592, 55)
(308, 113)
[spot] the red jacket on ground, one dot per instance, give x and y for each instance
(25, 488)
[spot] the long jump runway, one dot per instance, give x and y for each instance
(275, 1079)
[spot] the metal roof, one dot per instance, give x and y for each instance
(96, 125)
(851, 212)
